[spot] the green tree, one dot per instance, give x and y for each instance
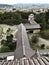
(9, 42)
(40, 18)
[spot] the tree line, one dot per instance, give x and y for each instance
(14, 18)
(43, 20)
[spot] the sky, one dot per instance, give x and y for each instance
(23, 1)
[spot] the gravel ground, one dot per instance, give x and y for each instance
(43, 41)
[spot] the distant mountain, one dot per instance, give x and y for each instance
(22, 5)
(5, 5)
(29, 5)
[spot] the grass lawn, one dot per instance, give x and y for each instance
(1, 30)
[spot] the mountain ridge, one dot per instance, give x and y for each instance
(5, 5)
(27, 5)
(22, 5)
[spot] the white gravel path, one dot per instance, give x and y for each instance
(43, 41)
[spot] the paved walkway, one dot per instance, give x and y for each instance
(6, 54)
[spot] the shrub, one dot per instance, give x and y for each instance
(9, 31)
(34, 39)
(8, 44)
(42, 46)
(4, 49)
(3, 42)
(1, 30)
(45, 34)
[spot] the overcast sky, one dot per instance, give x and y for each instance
(22, 1)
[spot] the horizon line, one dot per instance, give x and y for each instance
(24, 3)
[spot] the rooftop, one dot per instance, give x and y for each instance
(24, 55)
(32, 26)
(23, 45)
(27, 61)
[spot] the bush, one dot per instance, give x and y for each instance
(42, 46)
(8, 43)
(4, 49)
(3, 42)
(1, 30)
(45, 34)
(9, 38)
(34, 39)
(9, 31)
